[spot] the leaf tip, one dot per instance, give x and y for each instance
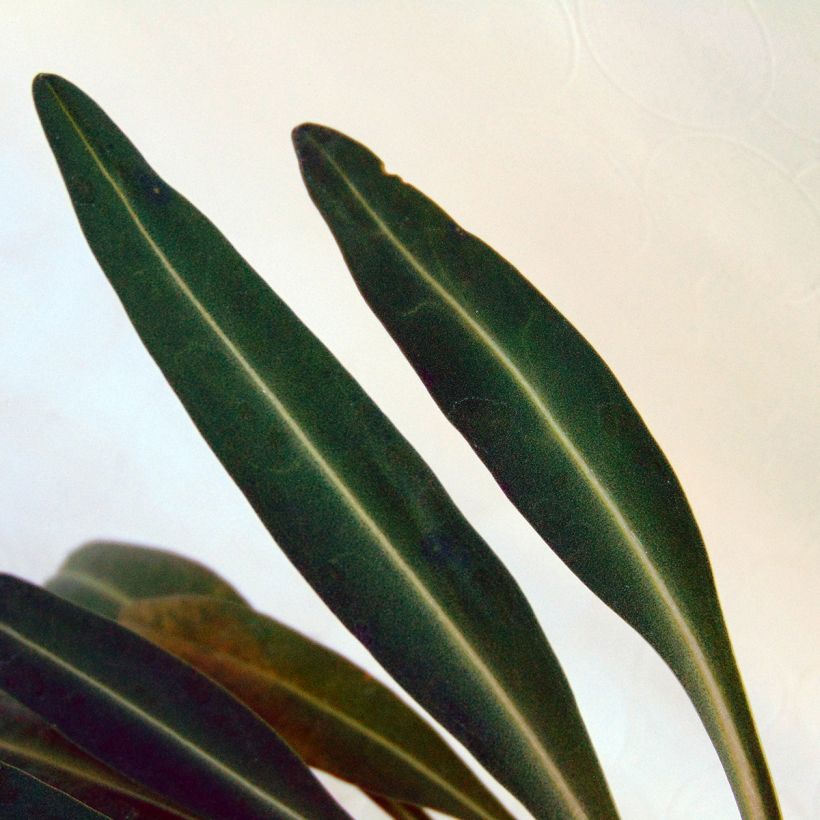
(45, 88)
(43, 82)
(309, 136)
(305, 134)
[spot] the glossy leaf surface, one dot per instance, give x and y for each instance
(30, 744)
(146, 714)
(353, 506)
(23, 797)
(334, 715)
(104, 576)
(550, 421)
(331, 713)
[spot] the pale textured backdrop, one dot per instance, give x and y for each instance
(653, 167)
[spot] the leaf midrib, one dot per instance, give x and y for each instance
(727, 726)
(115, 594)
(456, 637)
(86, 775)
(163, 728)
(269, 675)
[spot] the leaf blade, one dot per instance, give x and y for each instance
(23, 796)
(33, 746)
(352, 505)
(105, 576)
(147, 714)
(333, 714)
(551, 423)
(342, 721)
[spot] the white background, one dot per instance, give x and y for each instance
(654, 167)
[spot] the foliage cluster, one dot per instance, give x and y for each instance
(139, 684)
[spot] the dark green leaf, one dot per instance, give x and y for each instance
(399, 811)
(146, 714)
(352, 505)
(334, 715)
(23, 797)
(30, 744)
(549, 420)
(331, 713)
(104, 576)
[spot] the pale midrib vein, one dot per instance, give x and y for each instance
(728, 728)
(343, 717)
(86, 776)
(100, 587)
(163, 728)
(456, 637)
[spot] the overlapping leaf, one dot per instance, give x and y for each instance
(23, 797)
(345, 496)
(104, 576)
(549, 420)
(333, 714)
(30, 744)
(147, 714)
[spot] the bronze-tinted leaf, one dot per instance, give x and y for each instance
(333, 714)
(147, 714)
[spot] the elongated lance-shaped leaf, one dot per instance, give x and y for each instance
(349, 501)
(104, 576)
(30, 744)
(549, 420)
(333, 714)
(23, 797)
(147, 714)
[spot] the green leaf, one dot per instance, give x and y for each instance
(146, 714)
(30, 744)
(330, 712)
(549, 420)
(333, 714)
(345, 496)
(23, 797)
(399, 811)
(104, 576)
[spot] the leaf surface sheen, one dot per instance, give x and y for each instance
(352, 505)
(147, 714)
(551, 423)
(332, 713)
(30, 744)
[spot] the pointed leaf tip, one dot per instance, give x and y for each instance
(551, 423)
(346, 497)
(46, 84)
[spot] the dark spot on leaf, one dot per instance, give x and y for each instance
(434, 546)
(155, 188)
(363, 632)
(613, 419)
(84, 192)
